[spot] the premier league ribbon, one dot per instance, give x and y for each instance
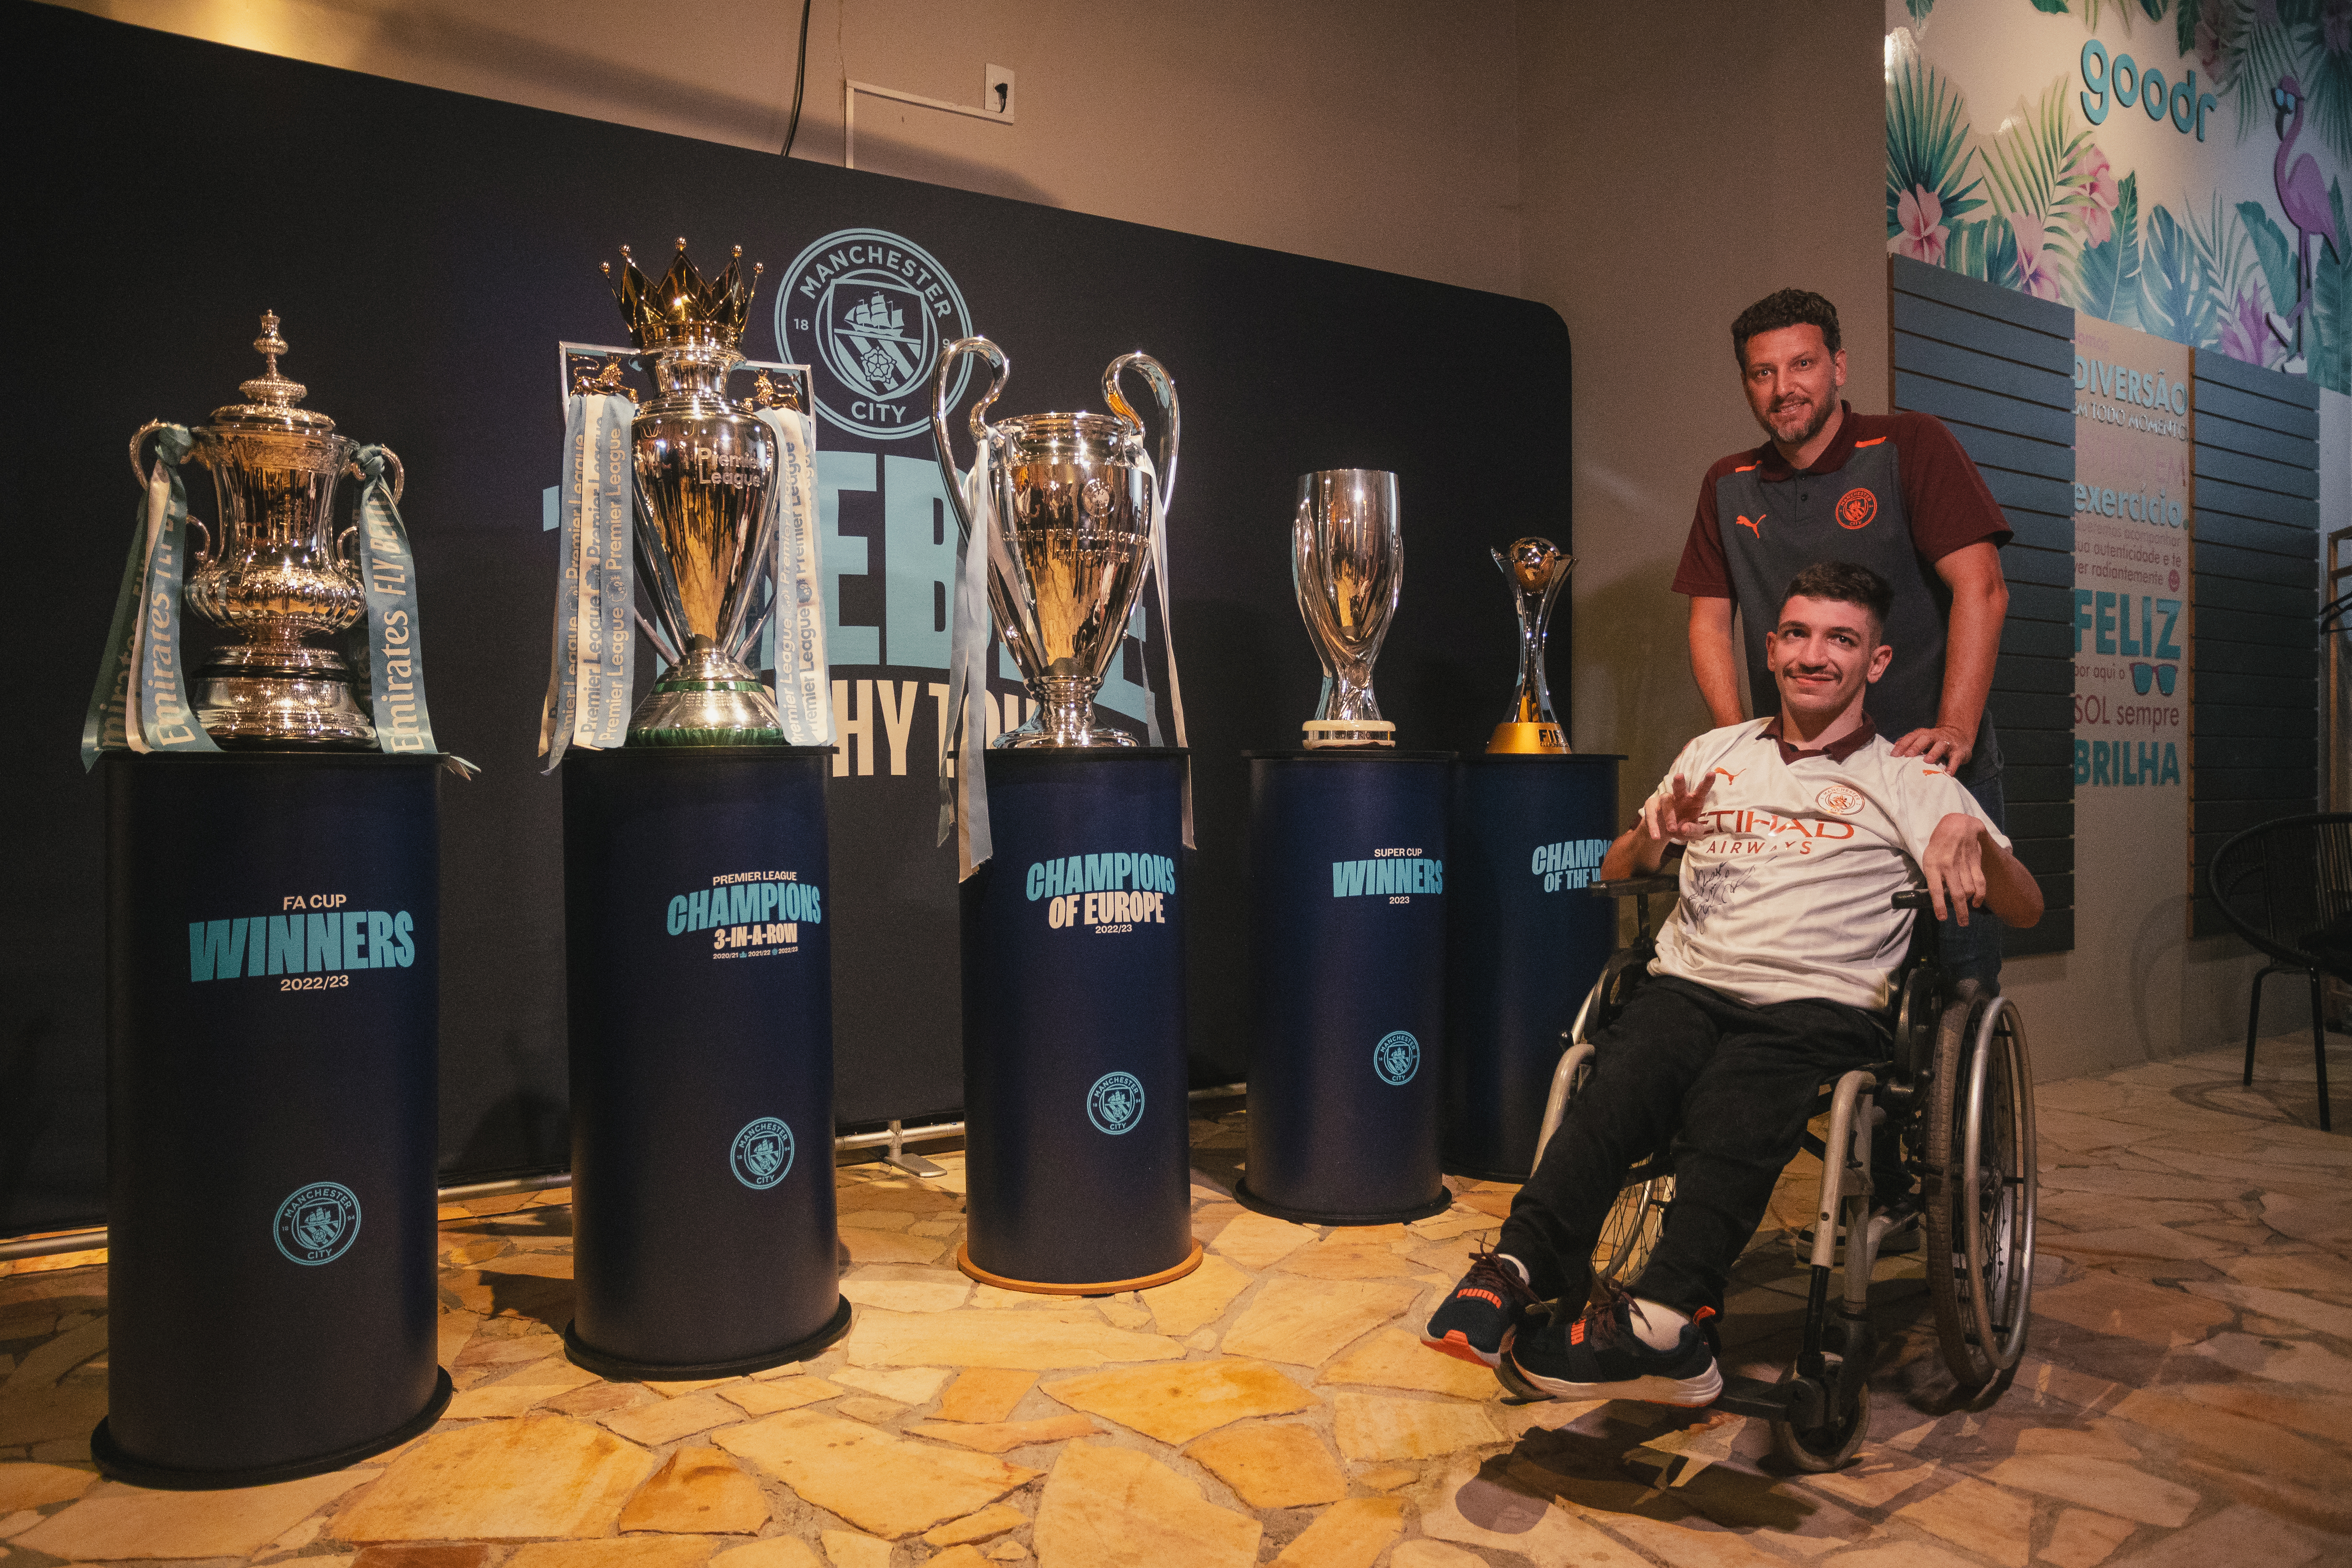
(593, 670)
(140, 699)
(795, 630)
(963, 775)
(394, 656)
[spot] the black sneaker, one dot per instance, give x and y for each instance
(1599, 1356)
(1476, 1322)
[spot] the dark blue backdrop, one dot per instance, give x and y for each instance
(427, 251)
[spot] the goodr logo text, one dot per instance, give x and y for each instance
(868, 313)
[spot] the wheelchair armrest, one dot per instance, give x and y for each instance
(1636, 887)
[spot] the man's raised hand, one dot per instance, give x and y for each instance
(1678, 816)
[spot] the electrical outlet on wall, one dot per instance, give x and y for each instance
(996, 92)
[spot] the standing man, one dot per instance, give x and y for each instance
(1891, 492)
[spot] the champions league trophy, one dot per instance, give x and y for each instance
(1346, 563)
(1537, 572)
(274, 575)
(705, 469)
(1071, 507)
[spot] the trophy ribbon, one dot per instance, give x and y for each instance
(964, 790)
(393, 656)
(592, 678)
(1168, 644)
(141, 669)
(797, 610)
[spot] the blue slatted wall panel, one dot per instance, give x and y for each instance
(2253, 709)
(1998, 367)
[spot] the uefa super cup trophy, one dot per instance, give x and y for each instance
(1347, 563)
(1537, 571)
(705, 467)
(1072, 507)
(273, 572)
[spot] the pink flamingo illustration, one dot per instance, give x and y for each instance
(2304, 197)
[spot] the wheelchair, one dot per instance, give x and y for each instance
(1955, 1094)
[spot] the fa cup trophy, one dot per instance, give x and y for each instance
(1537, 572)
(273, 572)
(1069, 509)
(1347, 563)
(705, 467)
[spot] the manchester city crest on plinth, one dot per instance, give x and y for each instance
(1397, 1057)
(868, 312)
(318, 1223)
(762, 1155)
(1115, 1104)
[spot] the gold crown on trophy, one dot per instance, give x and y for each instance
(682, 308)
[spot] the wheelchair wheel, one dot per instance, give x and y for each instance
(1828, 1446)
(1980, 1194)
(1630, 1234)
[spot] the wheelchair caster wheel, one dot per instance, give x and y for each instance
(1829, 1445)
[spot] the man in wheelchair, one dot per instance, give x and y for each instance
(1772, 973)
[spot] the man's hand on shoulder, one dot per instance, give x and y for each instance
(1941, 745)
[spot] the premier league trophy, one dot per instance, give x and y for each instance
(1537, 572)
(1346, 563)
(1070, 515)
(277, 576)
(705, 468)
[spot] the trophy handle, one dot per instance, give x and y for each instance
(202, 557)
(139, 440)
(399, 474)
(1164, 387)
(1003, 367)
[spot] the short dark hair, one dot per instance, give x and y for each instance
(1784, 308)
(1844, 583)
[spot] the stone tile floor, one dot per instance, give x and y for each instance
(2187, 1398)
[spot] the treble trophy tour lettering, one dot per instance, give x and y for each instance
(1347, 567)
(328, 944)
(1108, 893)
(714, 501)
(278, 576)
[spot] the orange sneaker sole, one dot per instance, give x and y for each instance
(1457, 1344)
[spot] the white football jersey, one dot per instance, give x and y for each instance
(1787, 894)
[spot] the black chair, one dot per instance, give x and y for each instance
(2286, 886)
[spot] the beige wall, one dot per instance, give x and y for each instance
(1380, 133)
(1675, 168)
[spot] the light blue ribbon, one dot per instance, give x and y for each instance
(396, 646)
(963, 772)
(140, 699)
(795, 630)
(592, 668)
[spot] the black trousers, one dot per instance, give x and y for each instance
(1728, 1089)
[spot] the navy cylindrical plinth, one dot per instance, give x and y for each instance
(697, 920)
(1526, 941)
(273, 1007)
(1348, 885)
(1077, 1158)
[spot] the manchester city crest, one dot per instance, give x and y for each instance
(1397, 1057)
(868, 312)
(762, 1155)
(318, 1223)
(1115, 1104)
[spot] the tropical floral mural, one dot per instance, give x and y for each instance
(2190, 244)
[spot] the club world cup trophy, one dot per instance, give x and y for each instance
(273, 572)
(1067, 506)
(1347, 563)
(705, 469)
(1537, 571)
